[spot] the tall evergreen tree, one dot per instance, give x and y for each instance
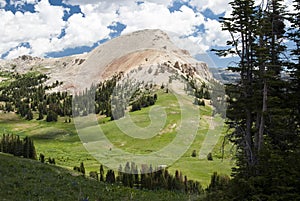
(294, 35)
(263, 122)
(242, 28)
(101, 173)
(26, 148)
(82, 169)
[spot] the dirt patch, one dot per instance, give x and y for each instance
(210, 120)
(133, 60)
(5, 117)
(3, 79)
(169, 129)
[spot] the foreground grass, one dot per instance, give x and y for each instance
(24, 179)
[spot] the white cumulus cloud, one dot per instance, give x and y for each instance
(29, 27)
(150, 15)
(216, 6)
(2, 3)
(18, 51)
(42, 28)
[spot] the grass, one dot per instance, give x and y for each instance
(60, 140)
(57, 140)
(24, 179)
(5, 78)
(141, 118)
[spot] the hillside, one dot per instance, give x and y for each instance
(60, 140)
(24, 179)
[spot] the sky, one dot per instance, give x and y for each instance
(56, 28)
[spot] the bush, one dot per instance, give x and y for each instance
(51, 116)
(94, 175)
(202, 103)
(209, 156)
(194, 154)
(42, 158)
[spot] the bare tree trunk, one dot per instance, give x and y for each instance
(248, 138)
(262, 118)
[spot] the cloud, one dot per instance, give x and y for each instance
(20, 27)
(216, 6)
(23, 2)
(43, 29)
(183, 23)
(214, 36)
(201, 43)
(117, 2)
(18, 51)
(195, 45)
(85, 31)
(150, 15)
(2, 3)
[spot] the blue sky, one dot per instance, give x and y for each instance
(56, 28)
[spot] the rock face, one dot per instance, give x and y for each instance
(141, 49)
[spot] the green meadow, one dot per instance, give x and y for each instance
(60, 140)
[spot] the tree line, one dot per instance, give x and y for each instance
(110, 98)
(145, 178)
(26, 94)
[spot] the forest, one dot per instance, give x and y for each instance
(27, 94)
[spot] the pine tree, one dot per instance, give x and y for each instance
(8, 107)
(19, 146)
(29, 115)
(110, 176)
(26, 147)
(101, 173)
(294, 67)
(42, 158)
(41, 116)
(242, 27)
(82, 169)
(32, 152)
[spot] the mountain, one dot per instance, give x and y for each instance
(150, 48)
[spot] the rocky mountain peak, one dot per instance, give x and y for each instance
(140, 49)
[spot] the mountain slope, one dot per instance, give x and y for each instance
(151, 47)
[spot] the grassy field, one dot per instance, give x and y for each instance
(59, 140)
(24, 179)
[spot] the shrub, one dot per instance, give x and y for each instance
(194, 154)
(209, 156)
(42, 158)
